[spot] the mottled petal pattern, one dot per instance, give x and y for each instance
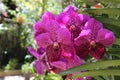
(53, 54)
(59, 64)
(84, 18)
(97, 51)
(52, 27)
(44, 40)
(39, 28)
(64, 36)
(82, 47)
(106, 37)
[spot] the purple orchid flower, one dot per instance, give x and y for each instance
(58, 44)
(93, 39)
(72, 20)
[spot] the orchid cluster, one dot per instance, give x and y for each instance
(65, 40)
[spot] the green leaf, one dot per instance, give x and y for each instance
(109, 21)
(107, 1)
(92, 66)
(114, 51)
(110, 11)
(103, 72)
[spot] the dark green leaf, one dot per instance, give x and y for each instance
(114, 51)
(109, 21)
(110, 11)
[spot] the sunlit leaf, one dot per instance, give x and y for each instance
(92, 66)
(103, 72)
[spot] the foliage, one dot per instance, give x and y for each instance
(27, 68)
(51, 76)
(12, 64)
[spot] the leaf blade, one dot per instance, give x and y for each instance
(92, 66)
(103, 72)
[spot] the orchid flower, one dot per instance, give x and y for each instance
(72, 20)
(93, 39)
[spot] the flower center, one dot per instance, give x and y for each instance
(92, 43)
(72, 28)
(56, 46)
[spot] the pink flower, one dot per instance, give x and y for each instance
(93, 39)
(59, 48)
(72, 20)
(54, 39)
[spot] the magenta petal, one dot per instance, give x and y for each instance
(97, 51)
(75, 61)
(39, 28)
(71, 8)
(64, 36)
(53, 54)
(59, 64)
(85, 33)
(84, 17)
(62, 19)
(33, 52)
(82, 47)
(43, 40)
(94, 25)
(40, 67)
(39, 25)
(68, 51)
(52, 27)
(47, 17)
(106, 37)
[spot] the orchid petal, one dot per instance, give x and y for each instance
(64, 36)
(48, 16)
(86, 34)
(97, 51)
(62, 18)
(33, 52)
(52, 28)
(82, 47)
(106, 37)
(75, 61)
(84, 17)
(39, 28)
(39, 67)
(93, 24)
(53, 54)
(68, 51)
(43, 40)
(59, 64)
